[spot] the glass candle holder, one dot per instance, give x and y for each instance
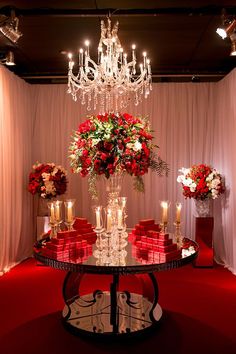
(58, 212)
(178, 212)
(52, 219)
(69, 213)
(99, 219)
(165, 204)
(109, 220)
(120, 218)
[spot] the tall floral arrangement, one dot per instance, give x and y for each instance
(201, 182)
(109, 143)
(47, 180)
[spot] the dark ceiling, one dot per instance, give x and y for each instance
(180, 37)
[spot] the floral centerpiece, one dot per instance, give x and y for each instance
(47, 180)
(201, 182)
(109, 143)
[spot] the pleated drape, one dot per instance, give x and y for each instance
(192, 122)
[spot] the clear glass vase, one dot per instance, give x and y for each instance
(113, 187)
(203, 208)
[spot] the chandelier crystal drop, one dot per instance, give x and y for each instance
(113, 82)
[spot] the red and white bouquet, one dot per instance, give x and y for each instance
(201, 182)
(47, 180)
(114, 142)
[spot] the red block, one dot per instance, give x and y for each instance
(80, 221)
(85, 230)
(67, 233)
(146, 222)
(153, 234)
(164, 242)
(165, 249)
(170, 256)
(163, 236)
(57, 241)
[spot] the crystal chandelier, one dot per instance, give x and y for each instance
(113, 82)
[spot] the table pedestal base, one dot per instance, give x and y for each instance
(111, 312)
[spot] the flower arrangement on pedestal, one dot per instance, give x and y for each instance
(201, 182)
(47, 180)
(114, 143)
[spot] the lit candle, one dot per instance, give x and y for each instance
(133, 52)
(164, 206)
(119, 217)
(149, 66)
(178, 212)
(57, 210)
(81, 57)
(98, 218)
(71, 63)
(144, 59)
(69, 212)
(99, 54)
(52, 214)
(87, 50)
(109, 220)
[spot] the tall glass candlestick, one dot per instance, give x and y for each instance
(69, 213)
(178, 212)
(52, 219)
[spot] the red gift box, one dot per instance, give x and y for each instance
(170, 256)
(58, 241)
(154, 227)
(67, 233)
(163, 236)
(80, 221)
(85, 230)
(146, 222)
(164, 242)
(165, 249)
(153, 234)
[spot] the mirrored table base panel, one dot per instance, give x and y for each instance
(111, 313)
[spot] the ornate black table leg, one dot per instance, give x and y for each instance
(114, 315)
(155, 297)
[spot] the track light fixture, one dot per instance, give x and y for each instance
(227, 29)
(9, 27)
(9, 59)
(233, 44)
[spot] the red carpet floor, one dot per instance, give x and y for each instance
(199, 314)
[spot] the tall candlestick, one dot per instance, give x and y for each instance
(178, 212)
(119, 218)
(69, 212)
(57, 210)
(164, 206)
(52, 213)
(98, 218)
(109, 220)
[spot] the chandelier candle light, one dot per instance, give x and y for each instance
(113, 81)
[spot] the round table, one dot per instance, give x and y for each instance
(116, 311)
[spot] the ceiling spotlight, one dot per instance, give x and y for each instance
(10, 59)
(225, 31)
(10, 28)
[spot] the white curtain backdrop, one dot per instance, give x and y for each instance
(16, 112)
(193, 123)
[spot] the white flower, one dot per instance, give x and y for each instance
(45, 176)
(137, 146)
(193, 187)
